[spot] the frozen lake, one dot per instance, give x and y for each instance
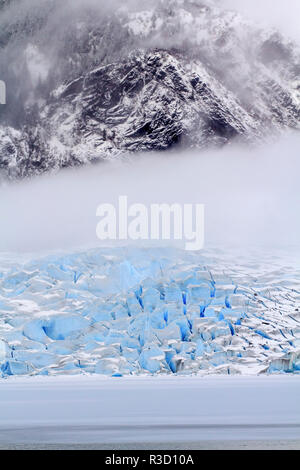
(136, 412)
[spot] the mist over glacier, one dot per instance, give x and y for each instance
(251, 197)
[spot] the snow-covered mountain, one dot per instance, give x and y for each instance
(88, 82)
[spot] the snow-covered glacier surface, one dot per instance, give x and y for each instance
(149, 311)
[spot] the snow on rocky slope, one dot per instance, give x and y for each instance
(88, 83)
(120, 312)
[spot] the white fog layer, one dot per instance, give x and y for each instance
(177, 102)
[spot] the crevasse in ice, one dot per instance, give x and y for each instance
(148, 311)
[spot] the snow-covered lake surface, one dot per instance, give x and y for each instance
(99, 410)
(150, 311)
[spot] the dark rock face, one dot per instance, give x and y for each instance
(180, 73)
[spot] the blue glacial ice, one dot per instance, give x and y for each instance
(149, 311)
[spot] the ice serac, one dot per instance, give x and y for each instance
(163, 74)
(149, 311)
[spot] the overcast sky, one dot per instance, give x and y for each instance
(284, 15)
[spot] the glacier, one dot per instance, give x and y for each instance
(144, 311)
